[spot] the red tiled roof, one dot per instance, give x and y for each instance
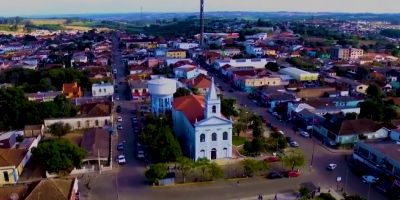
(96, 109)
(11, 157)
(192, 107)
(201, 81)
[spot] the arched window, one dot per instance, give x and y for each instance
(214, 109)
(214, 137)
(225, 136)
(202, 137)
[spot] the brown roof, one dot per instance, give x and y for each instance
(95, 140)
(95, 109)
(358, 126)
(11, 157)
(201, 81)
(54, 189)
(314, 92)
(192, 107)
(7, 191)
(71, 87)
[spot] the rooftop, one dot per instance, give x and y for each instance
(192, 107)
(95, 140)
(54, 189)
(390, 149)
(11, 157)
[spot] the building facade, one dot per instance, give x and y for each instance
(102, 90)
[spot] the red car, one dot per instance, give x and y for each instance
(293, 173)
(272, 159)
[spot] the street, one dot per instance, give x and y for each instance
(128, 181)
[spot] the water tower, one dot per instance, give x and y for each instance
(162, 94)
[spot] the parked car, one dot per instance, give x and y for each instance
(369, 179)
(119, 127)
(121, 159)
(120, 146)
(293, 173)
(275, 175)
(331, 167)
(272, 159)
(117, 98)
(119, 119)
(140, 154)
(294, 144)
(304, 134)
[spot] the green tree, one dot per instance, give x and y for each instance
(58, 155)
(185, 165)
(59, 129)
(165, 147)
(180, 92)
(272, 66)
(215, 171)
(228, 107)
(293, 158)
(374, 92)
(203, 164)
(325, 196)
(252, 166)
(156, 172)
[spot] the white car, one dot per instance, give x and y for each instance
(294, 144)
(119, 127)
(369, 179)
(304, 134)
(119, 119)
(117, 98)
(121, 159)
(140, 154)
(115, 71)
(331, 167)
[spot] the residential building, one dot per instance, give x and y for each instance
(202, 83)
(198, 122)
(55, 189)
(249, 83)
(102, 90)
(252, 49)
(72, 90)
(8, 139)
(257, 63)
(43, 96)
(176, 53)
(139, 90)
(188, 71)
(185, 45)
(95, 142)
(33, 130)
(299, 75)
(91, 115)
(340, 53)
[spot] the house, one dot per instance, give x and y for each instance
(382, 158)
(395, 135)
(12, 163)
(249, 83)
(91, 115)
(33, 130)
(185, 45)
(198, 122)
(351, 131)
(102, 90)
(257, 63)
(95, 142)
(72, 90)
(43, 96)
(317, 92)
(202, 83)
(273, 99)
(8, 139)
(176, 53)
(188, 71)
(139, 90)
(7, 192)
(55, 189)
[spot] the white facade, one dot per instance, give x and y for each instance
(81, 122)
(254, 50)
(188, 71)
(102, 90)
(210, 137)
(185, 45)
(257, 63)
(161, 91)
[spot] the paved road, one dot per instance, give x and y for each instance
(128, 182)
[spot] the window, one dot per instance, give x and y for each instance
(214, 109)
(225, 136)
(96, 122)
(202, 137)
(214, 137)
(6, 178)
(78, 124)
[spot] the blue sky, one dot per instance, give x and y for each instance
(44, 7)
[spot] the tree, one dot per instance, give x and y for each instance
(252, 166)
(325, 196)
(215, 171)
(59, 129)
(203, 164)
(272, 66)
(228, 107)
(156, 172)
(374, 92)
(353, 197)
(351, 116)
(180, 92)
(58, 155)
(293, 158)
(165, 147)
(305, 192)
(185, 165)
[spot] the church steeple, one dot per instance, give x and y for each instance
(213, 102)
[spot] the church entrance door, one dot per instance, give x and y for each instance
(213, 154)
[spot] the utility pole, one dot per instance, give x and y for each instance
(201, 23)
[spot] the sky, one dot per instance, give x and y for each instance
(50, 7)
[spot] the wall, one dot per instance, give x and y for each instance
(12, 175)
(208, 145)
(85, 122)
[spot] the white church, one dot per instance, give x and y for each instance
(198, 122)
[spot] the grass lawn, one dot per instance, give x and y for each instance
(75, 137)
(237, 140)
(48, 21)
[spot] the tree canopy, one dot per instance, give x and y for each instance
(58, 155)
(181, 92)
(252, 166)
(59, 129)
(273, 66)
(156, 172)
(293, 158)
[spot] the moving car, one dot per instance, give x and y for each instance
(369, 179)
(304, 134)
(121, 159)
(275, 175)
(120, 146)
(294, 144)
(331, 167)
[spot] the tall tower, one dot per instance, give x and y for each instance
(201, 23)
(212, 102)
